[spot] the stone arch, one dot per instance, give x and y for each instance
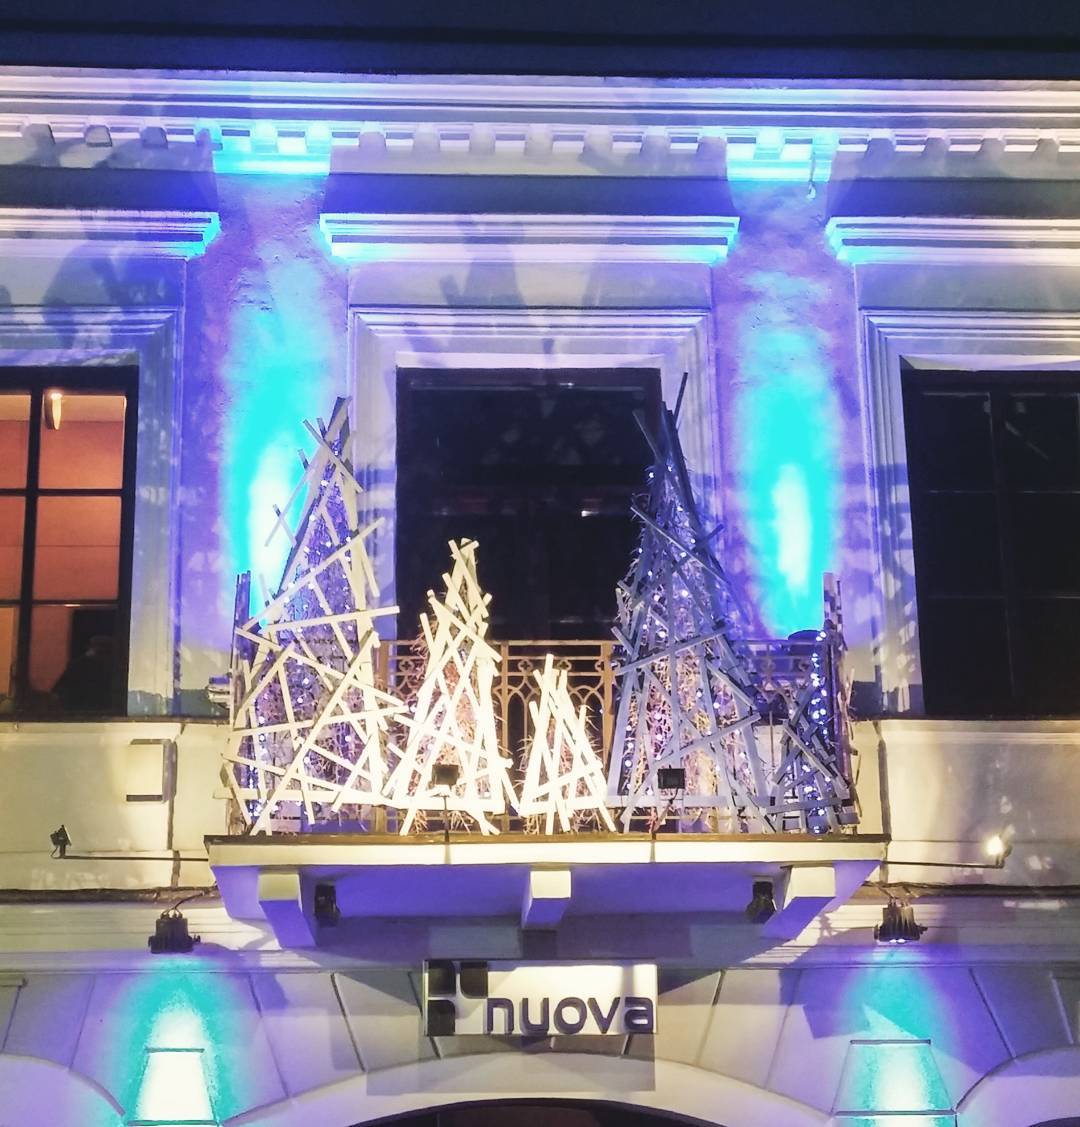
(661, 1086)
(33, 1090)
(1040, 1088)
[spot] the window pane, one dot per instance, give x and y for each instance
(1049, 655)
(72, 657)
(1041, 440)
(86, 449)
(14, 429)
(965, 661)
(956, 535)
(951, 432)
(9, 638)
(78, 548)
(12, 511)
(1046, 543)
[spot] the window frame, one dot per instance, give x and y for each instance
(36, 381)
(997, 386)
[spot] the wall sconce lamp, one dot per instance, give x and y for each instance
(54, 403)
(444, 777)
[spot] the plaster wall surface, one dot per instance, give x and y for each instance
(791, 1045)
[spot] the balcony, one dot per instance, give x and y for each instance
(666, 854)
(784, 666)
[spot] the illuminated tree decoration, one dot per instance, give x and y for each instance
(564, 777)
(453, 720)
(689, 696)
(311, 729)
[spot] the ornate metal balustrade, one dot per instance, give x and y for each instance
(785, 665)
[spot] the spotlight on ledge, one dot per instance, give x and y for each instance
(445, 775)
(171, 936)
(60, 839)
(898, 924)
(671, 778)
(762, 907)
(327, 912)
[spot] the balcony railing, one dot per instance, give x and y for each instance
(792, 764)
(784, 665)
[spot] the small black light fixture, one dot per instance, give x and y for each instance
(898, 924)
(444, 777)
(671, 778)
(762, 906)
(60, 839)
(171, 935)
(327, 912)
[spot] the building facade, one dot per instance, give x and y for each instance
(862, 298)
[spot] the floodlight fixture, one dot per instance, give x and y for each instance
(54, 405)
(445, 775)
(762, 906)
(671, 778)
(327, 912)
(171, 935)
(898, 924)
(60, 839)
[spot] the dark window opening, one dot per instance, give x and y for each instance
(994, 474)
(539, 467)
(67, 491)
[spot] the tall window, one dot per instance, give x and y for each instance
(994, 472)
(540, 468)
(67, 475)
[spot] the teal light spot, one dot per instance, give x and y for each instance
(283, 355)
(785, 431)
(891, 1076)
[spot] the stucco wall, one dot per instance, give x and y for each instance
(768, 1046)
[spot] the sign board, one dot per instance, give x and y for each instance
(538, 999)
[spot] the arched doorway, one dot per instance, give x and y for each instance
(545, 1113)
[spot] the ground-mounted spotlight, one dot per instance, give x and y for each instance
(60, 839)
(444, 777)
(171, 936)
(898, 924)
(671, 778)
(327, 912)
(762, 906)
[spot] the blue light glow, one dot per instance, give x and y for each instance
(785, 428)
(284, 355)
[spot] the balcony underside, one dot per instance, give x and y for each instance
(274, 877)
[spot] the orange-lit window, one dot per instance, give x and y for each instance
(67, 475)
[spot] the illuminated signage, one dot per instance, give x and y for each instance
(538, 1000)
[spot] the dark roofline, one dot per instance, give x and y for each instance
(770, 39)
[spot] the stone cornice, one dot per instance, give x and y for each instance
(559, 238)
(60, 231)
(898, 239)
(280, 123)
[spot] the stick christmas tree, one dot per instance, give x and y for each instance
(310, 727)
(564, 777)
(689, 692)
(453, 721)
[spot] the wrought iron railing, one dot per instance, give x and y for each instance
(784, 666)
